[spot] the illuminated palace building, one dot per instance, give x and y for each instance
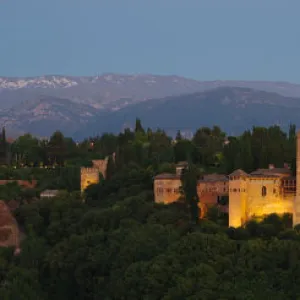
(255, 194)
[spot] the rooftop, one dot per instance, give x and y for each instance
(238, 173)
(213, 178)
(167, 176)
(271, 172)
(49, 193)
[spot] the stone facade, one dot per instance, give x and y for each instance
(260, 193)
(88, 176)
(296, 214)
(167, 188)
(91, 175)
(101, 165)
(209, 189)
(253, 195)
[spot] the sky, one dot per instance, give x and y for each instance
(200, 39)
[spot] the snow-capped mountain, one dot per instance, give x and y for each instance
(77, 100)
(37, 82)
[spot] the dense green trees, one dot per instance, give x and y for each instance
(209, 149)
(119, 244)
(189, 178)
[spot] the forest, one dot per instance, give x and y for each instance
(114, 242)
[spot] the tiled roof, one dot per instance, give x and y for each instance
(264, 175)
(213, 178)
(167, 176)
(49, 192)
(238, 172)
(272, 171)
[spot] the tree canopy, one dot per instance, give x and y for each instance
(119, 244)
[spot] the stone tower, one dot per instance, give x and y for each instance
(237, 198)
(296, 215)
(88, 176)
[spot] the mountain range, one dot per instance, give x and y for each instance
(85, 106)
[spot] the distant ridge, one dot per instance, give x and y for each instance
(88, 104)
(233, 109)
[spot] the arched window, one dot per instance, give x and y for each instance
(264, 191)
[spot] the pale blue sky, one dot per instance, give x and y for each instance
(201, 39)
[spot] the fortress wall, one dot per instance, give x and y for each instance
(88, 176)
(296, 212)
(166, 190)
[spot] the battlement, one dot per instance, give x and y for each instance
(89, 170)
(90, 175)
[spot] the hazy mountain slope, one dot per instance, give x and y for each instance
(82, 106)
(47, 114)
(105, 91)
(234, 109)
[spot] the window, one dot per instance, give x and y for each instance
(264, 191)
(176, 191)
(159, 191)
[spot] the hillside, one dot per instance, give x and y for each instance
(110, 87)
(81, 106)
(47, 114)
(234, 109)
(105, 91)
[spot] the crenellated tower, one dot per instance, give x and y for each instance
(237, 198)
(296, 214)
(88, 176)
(91, 175)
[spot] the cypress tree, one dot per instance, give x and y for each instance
(3, 148)
(138, 126)
(189, 187)
(178, 136)
(111, 168)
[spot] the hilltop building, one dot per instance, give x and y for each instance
(49, 194)
(91, 175)
(260, 193)
(210, 188)
(253, 195)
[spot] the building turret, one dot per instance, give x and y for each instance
(296, 214)
(237, 198)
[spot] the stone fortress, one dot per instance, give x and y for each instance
(253, 195)
(10, 234)
(91, 175)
